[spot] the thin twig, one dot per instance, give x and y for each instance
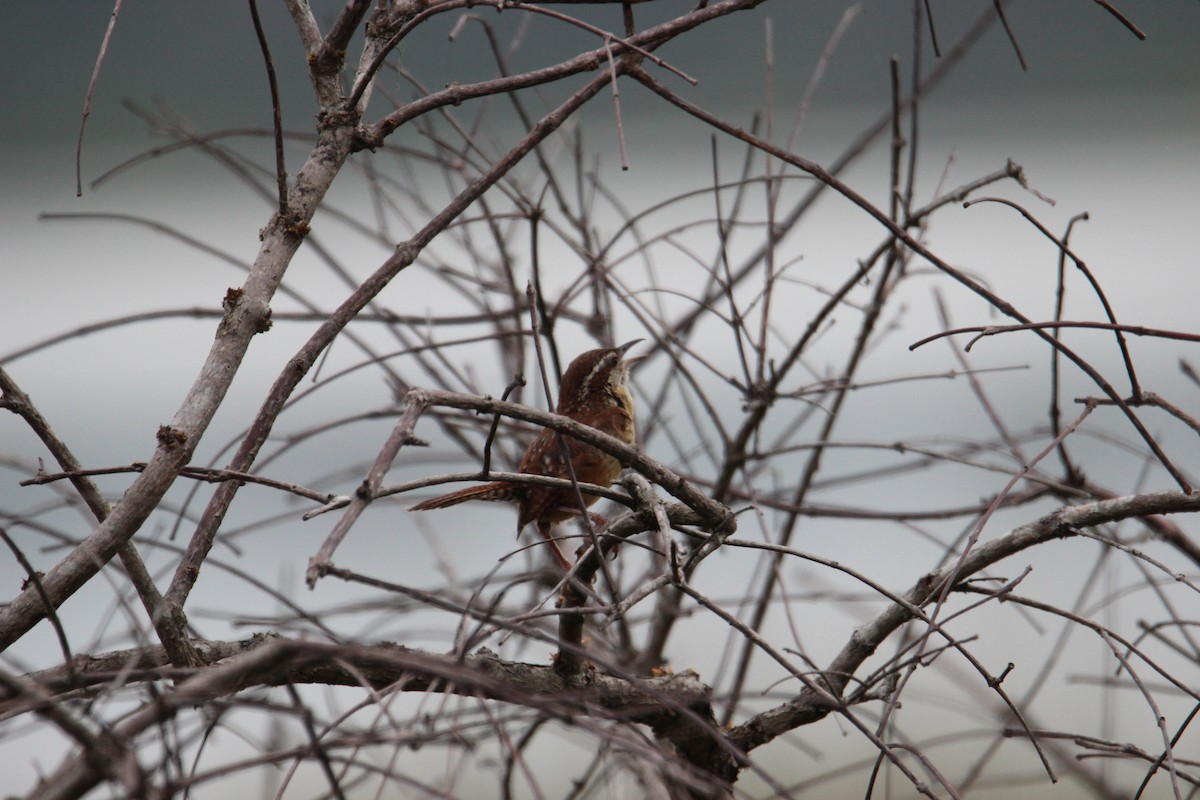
(276, 114)
(87, 103)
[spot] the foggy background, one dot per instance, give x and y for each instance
(1101, 123)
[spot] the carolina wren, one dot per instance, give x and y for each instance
(594, 391)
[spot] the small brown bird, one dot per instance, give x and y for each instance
(594, 391)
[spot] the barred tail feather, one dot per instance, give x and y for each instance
(489, 491)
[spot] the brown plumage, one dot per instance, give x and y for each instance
(594, 391)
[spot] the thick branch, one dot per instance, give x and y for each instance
(272, 661)
(247, 314)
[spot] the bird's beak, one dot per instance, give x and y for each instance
(623, 348)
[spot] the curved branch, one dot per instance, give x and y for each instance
(809, 706)
(714, 516)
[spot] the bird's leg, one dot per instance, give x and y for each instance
(546, 529)
(598, 522)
